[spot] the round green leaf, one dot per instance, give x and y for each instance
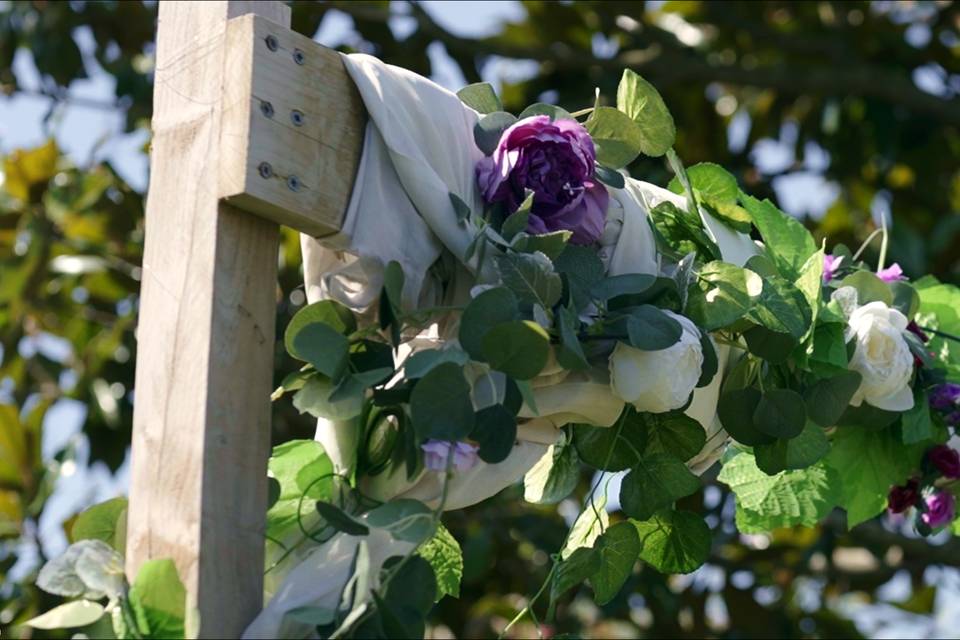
(490, 308)
(650, 329)
(780, 413)
(327, 312)
(519, 349)
(495, 431)
(642, 103)
(829, 398)
(735, 410)
(489, 129)
(440, 404)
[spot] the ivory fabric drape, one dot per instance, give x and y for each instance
(418, 149)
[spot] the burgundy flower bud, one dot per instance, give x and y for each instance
(902, 498)
(946, 460)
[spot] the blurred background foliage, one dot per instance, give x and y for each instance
(847, 112)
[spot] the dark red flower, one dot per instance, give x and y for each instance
(946, 460)
(902, 498)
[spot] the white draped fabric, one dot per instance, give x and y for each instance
(417, 150)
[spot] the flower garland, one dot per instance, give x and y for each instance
(825, 382)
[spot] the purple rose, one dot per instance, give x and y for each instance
(946, 460)
(946, 397)
(940, 509)
(830, 266)
(892, 273)
(437, 452)
(902, 498)
(555, 160)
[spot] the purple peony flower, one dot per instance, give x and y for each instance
(437, 452)
(891, 273)
(554, 159)
(902, 498)
(946, 460)
(946, 397)
(830, 266)
(941, 508)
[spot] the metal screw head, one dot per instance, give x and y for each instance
(271, 41)
(265, 169)
(293, 183)
(298, 56)
(266, 109)
(296, 117)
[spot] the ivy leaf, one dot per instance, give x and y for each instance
(299, 467)
(619, 547)
(674, 541)
(724, 293)
(780, 413)
(610, 448)
(489, 309)
(673, 433)
(782, 308)
(712, 182)
(789, 498)
(480, 97)
(443, 554)
(158, 599)
(787, 241)
(796, 453)
(531, 278)
(656, 482)
(591, 522)
(554, 476)
(574, 571)
(868, 462)
(519, 349)
(642, 103)
(440, 404)
(827, 399)
(618, 139)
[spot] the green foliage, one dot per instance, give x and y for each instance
(639, 100)
(654, 483)
(618, 548)
(554, 476)
(158, 599)
(787, 242)
(440, 405)
(106, 521)
(443, 553)
(618, 139)
(480, 97)
(674, 541)
(302, 469)
(789, 498)
(723, 294)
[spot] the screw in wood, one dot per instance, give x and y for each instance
(293, 183)
(265, 170)
(296, 117)
(271, 41)
(266, 109)
(298, 56)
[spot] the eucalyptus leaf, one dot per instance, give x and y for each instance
(407, 520)
(570, 353)
(781, 413)
(328, 312)
(489, 309)
(828, 399)
(79, 613)
(735, 409)
(480, 97)
(495, 431)
(610, 177)
(489, 129)
(440, 405)
(543, 109)
(519, 349)
(323, 347)
(650, 329)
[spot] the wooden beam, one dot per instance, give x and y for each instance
(292, 127)
(205, 337)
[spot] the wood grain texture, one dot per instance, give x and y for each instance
(205, 338)
(289, 103)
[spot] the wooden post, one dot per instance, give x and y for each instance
(206, 333)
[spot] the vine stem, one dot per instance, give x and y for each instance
(942, 334)
(528, 609)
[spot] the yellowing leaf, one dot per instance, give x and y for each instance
(27, 167)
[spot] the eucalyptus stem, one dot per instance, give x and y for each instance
(866, 243)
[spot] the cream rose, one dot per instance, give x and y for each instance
(658, 381)
(881, 357)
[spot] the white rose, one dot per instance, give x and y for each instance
(658, 381)
(881, 357)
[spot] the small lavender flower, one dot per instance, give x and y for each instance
(941, 507)
(830, 266)
(437, 452)
(946, 397)
(893, 273)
